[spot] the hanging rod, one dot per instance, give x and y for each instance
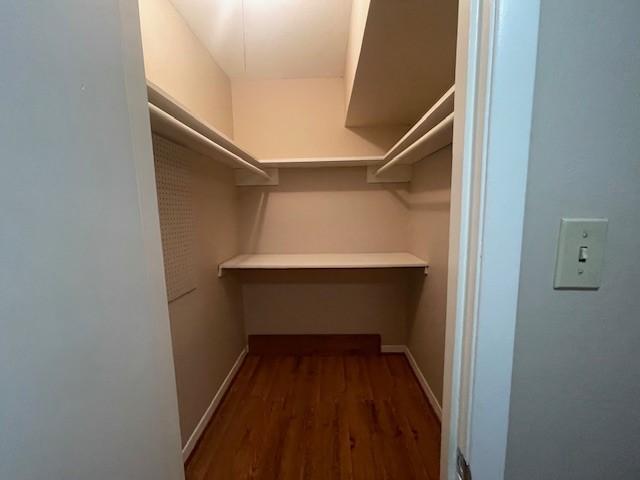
(173, 107)
(434, 115)
(223, 151)
(444, 127)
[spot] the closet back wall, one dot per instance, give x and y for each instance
(302, 118)
(328, 210)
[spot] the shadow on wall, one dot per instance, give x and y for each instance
(426, 204)
(326, 302)
(381, 136)
(256, 221)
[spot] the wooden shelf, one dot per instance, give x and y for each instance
(172, 120)
(322, 162)
(170, 105)
(322, 260)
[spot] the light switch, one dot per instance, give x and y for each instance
(580, 255)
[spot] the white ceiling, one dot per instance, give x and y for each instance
(272, 38)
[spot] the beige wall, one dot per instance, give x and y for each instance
(301, 118)
(328, 210)
(176, 61)
(324, 210)
(206, 324)
(327, 302)
(429, 205)
(359, 11)
(335, 210)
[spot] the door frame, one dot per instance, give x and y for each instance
(495, 78)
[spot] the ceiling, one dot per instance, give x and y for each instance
(407, 61)
(272, 38)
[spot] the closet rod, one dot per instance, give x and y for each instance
(426, 138)
(229, 155)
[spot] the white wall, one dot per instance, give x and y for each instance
(576, 382)
(87, 378)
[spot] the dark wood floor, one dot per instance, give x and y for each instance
(321, 417)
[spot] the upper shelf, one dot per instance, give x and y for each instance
(322, 260)
(172, 120)
(319, 162)
(171, 106)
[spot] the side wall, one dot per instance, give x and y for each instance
(206, 323)
(302, 118)
(429, 208)
(177, 62)
(574, 401)
(330, 210)
(87, 377)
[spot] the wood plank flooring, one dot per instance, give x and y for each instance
(321, 417)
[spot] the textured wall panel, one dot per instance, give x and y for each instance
(175, 204)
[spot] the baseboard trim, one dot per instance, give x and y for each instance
(424, 384)
(312, 344)
(217, 398)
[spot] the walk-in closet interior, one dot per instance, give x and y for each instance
(303, 169)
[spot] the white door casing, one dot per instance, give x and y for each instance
(495, 76)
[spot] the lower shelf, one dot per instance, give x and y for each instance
(322, 260)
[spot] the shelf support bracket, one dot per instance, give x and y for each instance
(399, 174)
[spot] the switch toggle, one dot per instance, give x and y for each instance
(583, 254)
(587, 238)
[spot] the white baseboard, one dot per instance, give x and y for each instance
(433, 401)
(217, 398)
(393, 348)
(424, 384)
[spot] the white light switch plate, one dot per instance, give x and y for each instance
(580, 253)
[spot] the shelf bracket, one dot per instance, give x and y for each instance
(398, 174)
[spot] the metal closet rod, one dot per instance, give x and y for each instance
(185, 128)
(446, 123)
